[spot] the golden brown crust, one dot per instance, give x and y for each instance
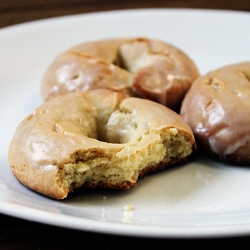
(140, 67)
(96, 138)
(217, 109)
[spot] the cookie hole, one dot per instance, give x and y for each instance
(119, 61)
(121, 127)
(136, 55)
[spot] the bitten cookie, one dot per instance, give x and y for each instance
(217, 107)
(139, 67)
(96, 139)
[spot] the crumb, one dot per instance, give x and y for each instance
(128, 207)
(104, 198)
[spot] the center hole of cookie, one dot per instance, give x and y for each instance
(120, 128)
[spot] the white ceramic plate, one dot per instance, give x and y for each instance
(202, 198)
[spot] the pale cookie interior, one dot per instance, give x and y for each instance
(141, 150)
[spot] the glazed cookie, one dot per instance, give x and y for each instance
(217, 109)
(74, 141)
(139, 67)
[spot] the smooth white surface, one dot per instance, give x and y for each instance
(202, 198)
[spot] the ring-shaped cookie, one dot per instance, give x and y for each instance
(140, 67)
(76, 140)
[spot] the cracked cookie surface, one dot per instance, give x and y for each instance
(217, 109)
(141, 67)
(96, 139)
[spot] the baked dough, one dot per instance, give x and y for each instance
(217, 109)
(76, 140)
(139, 67)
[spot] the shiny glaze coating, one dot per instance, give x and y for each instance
(96, 138)
(139, 67)
(217, 107)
